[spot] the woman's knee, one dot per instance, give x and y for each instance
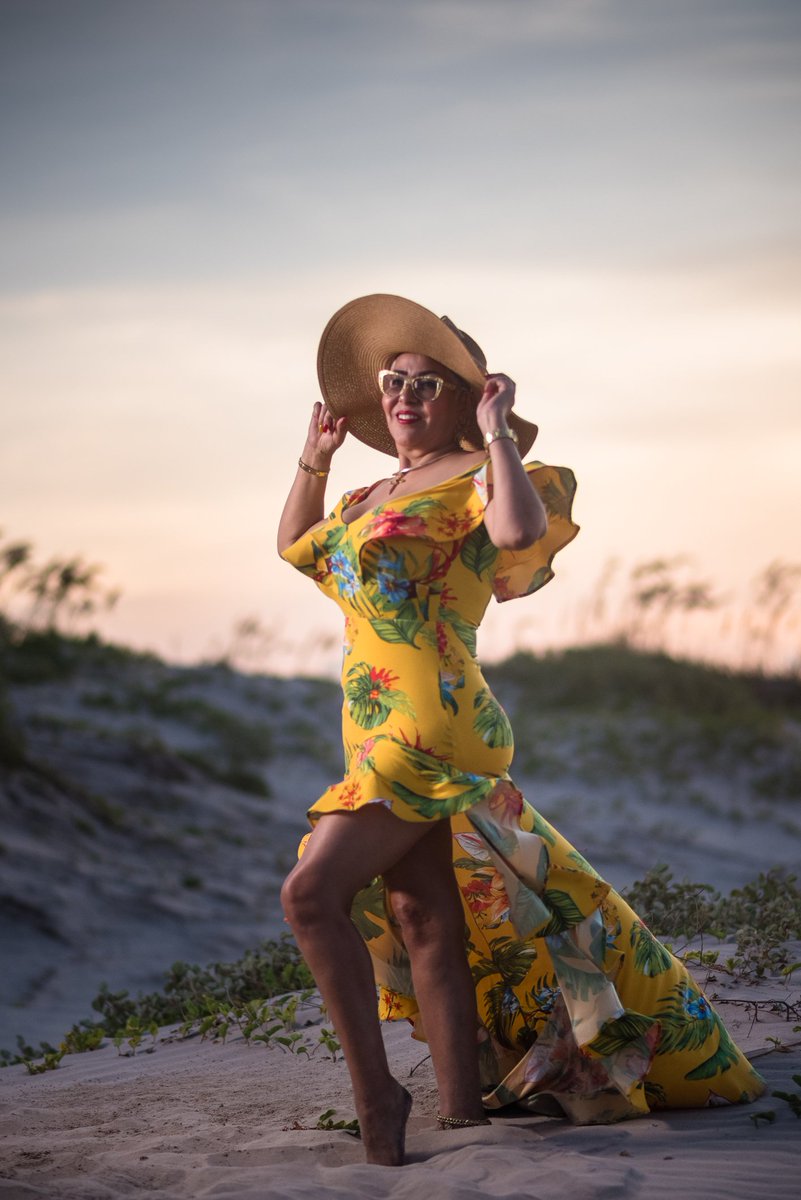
(424, 923)
(303, 898)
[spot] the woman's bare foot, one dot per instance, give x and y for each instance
(383, 1127)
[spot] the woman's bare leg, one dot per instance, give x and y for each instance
(426, 902)
(346, 851)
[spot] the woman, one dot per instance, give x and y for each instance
(528, 976)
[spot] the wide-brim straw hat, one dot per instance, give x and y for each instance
(364, 337)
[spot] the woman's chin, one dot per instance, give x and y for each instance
(413, 436)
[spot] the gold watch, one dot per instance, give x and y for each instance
(495, 435)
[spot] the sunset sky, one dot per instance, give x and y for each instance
(604, 193)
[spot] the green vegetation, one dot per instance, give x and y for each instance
(251, 996)
(762, 915)
(609, 710)
(190, 995)
(613, 677)
(792, 1098)
(581, 714)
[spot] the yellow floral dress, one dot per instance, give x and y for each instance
(583, 1012)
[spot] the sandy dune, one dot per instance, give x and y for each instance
(188, 1118)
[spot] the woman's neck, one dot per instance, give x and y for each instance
(411, 459)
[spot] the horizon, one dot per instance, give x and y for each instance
(605, 197)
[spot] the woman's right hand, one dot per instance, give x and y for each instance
(326, 434)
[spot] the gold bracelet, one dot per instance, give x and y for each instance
(495, 435)
(312, 470)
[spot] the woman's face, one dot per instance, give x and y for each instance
(423, 424)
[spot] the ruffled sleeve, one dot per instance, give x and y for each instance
(304, 553)
(315, 552)
(520, 572)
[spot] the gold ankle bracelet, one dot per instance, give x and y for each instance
(460, 1122)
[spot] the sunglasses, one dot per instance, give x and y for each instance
(423, 387)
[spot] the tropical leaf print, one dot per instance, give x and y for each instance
(509, 957)
(557, 503)
(462, 628)
(371, 695)
(490, 722)
(503, 840)
(650, 956)
(687, 1019)
(478, 553)
(333, 537)
(425, 506)
(539, 579)
(566, 912)
(655, 1095)
(544, 994)
(724, 1057)
(501, 1006)
(543, 829)
(434, 768)
(402, 627)
(577, 982)
(368, 904)
(619, 1033)
(578, 858)
(449, 682)
(528, 911)
(568, 482)
(473, 845)
(393, 630)
(430, 808)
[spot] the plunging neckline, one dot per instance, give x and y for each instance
(345, 505)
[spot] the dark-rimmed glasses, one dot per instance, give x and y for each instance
(422, 387)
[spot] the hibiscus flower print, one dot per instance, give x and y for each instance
(442, 638)
(696, 1005)
(341, 568)
(501, 586)
(486, 898)
(505, 802)
(362, 758)
(390, 571)
(371, 695)
(388, 522)
(456, 524)
(351, 794)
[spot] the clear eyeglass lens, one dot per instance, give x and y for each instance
(392, 385)
(424, 387)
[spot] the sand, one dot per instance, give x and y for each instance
(122, 853)
(194, 1118)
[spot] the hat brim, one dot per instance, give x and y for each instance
(363, 338)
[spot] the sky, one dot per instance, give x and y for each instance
(604, 193)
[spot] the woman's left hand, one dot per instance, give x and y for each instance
(496, 403)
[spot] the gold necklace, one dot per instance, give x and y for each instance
(399, 475)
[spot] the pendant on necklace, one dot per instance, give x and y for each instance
(398, 477)
(402, 472)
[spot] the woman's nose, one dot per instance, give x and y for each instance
(408, 391)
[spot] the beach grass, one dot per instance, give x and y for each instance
(599, 711)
